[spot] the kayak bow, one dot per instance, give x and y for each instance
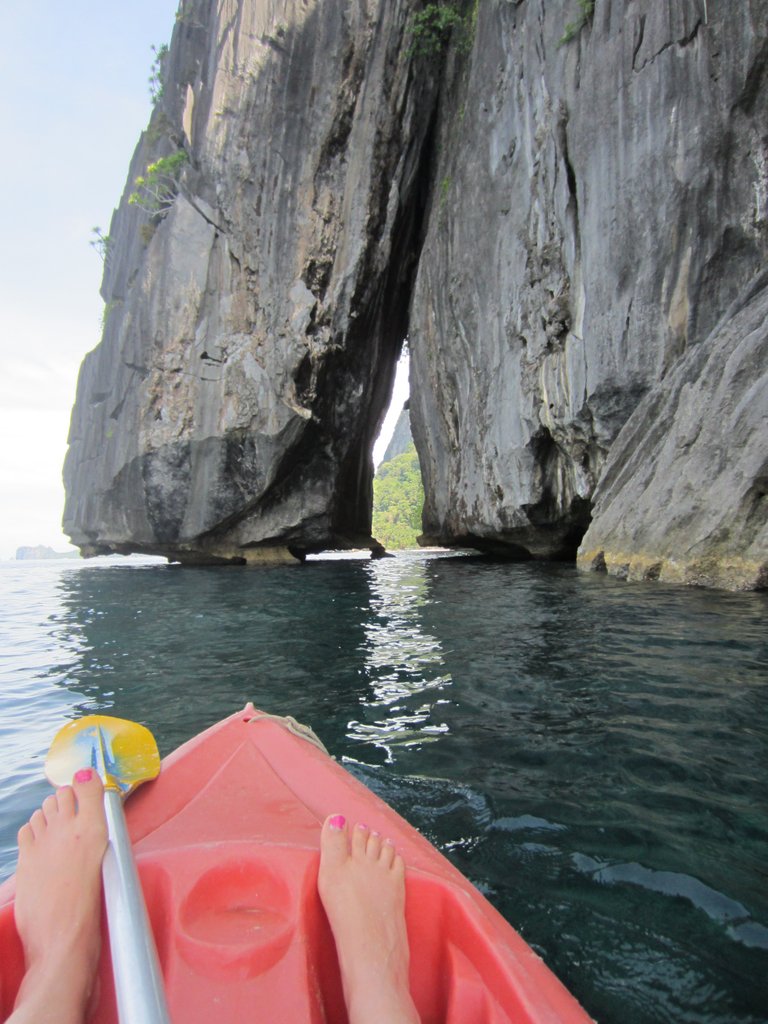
(226, 843)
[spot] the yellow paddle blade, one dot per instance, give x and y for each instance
(123, 753)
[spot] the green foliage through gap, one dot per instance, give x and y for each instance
(398, 499)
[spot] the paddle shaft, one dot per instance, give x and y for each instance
(138, 982)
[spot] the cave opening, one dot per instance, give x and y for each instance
(376, 345)
(398, 487)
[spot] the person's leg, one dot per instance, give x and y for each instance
(58, 903)
(362, 887)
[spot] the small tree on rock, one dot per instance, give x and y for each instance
(158, 186)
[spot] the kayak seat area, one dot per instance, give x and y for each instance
(236, 933)
(235, 926)
(456, 976)
(236, 919)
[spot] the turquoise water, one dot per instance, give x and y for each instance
(592, 754)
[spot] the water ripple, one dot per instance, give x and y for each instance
(591, 754)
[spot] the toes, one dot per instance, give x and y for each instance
(90, 795)
(50, 808)
(387, 855)
(398, 866)
(65, 798)
(359, 839)
(25, 837)
(334, 841)
(373, 846)
(37, 823)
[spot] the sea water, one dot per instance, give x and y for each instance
(592, 754)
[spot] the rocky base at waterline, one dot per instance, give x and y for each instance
(684, 496)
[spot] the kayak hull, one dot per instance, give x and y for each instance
(226, 843)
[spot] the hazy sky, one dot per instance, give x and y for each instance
(75, 96)
(73, 82)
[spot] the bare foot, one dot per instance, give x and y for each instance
(58, 903)
(362, 887)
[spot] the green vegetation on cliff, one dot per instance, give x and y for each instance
(398, 497)
(438, 23)
(156, 78)
(572, 28)
(157, 187)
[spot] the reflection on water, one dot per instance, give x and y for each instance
(402, 661)
(592, 754)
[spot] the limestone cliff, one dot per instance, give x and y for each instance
(602, 203)
(684, 494)
(401, 436)
(255, 318)
(562, 205)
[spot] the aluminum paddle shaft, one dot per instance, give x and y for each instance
(138, 982)
(125, 755)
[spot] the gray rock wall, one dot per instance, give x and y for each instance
(253, 329)
(598, 205)
(564, 229)
(683, 497)
(401, 436)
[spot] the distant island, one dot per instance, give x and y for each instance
(41, 551)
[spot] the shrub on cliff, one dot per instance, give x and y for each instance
(156, 74)
(572, 28)
(398, 498)
(437, 23)
(157, 187)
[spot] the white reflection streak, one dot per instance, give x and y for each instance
(402, 660)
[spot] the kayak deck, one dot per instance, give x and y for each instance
(226, 843)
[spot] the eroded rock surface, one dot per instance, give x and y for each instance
(253, 326)
(599, 204)
(684, 496)
(558, 226)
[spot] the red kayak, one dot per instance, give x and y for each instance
(226, 841)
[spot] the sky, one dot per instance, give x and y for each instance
(75, 97)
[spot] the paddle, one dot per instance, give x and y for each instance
(125, 755)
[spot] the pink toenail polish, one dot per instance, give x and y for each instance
(84, 775)
(361, 824)
(338, 821)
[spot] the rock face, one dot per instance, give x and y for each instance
(254, 322)
(566, 213)
(684, 495)
(401, 436)
(601, 203)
